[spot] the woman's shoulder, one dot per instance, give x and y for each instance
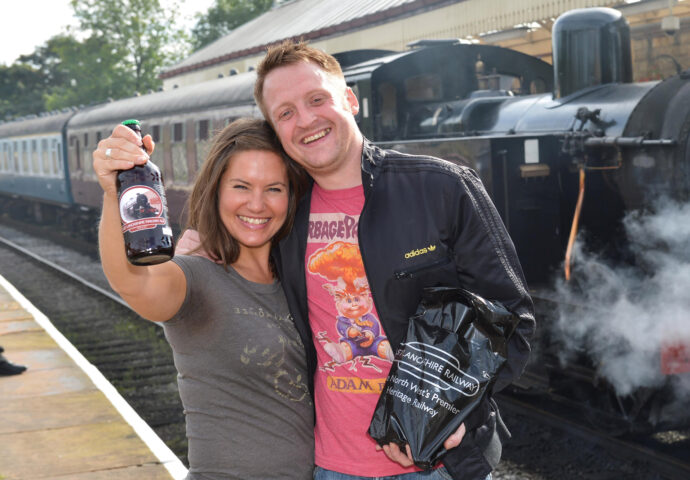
(197, 267)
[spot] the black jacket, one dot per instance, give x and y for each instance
(426, 222)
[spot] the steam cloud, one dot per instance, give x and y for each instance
(631, 312)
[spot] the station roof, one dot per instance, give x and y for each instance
(306, 19)
(221, 92)
(35, 124)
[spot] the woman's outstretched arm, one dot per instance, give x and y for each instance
(155, 292)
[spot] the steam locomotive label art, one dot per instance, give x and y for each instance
(141, 208)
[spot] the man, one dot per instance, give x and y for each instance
(353, 272)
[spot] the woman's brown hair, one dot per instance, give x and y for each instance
(202, 206)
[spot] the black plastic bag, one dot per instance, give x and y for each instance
(455, 344)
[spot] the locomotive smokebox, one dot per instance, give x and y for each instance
(591, 46)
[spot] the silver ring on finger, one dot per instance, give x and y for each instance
(108, 152)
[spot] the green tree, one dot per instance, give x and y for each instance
(79, 72)
(21, 91)
(139, 32)
(223, 17)
(121, 48)
(46, 59)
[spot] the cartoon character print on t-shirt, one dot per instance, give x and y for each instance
(360, 336)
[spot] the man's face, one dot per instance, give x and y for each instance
(313, 112)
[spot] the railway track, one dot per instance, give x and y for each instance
(668, 460)
(131, 352)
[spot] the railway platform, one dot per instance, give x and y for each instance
(61, 419)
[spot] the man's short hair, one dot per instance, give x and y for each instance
(290, 52)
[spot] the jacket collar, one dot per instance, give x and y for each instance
(370, 154)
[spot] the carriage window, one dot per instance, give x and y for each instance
(202, 130)
(98, 136)
(74, 143)
(56, 167)
(178, 132)
(88, 165)
(15, 156)
(423, 87)
(157, 155)
(179, 155)
(25, 157)
(388, 118)
(35, 161)
(5, 160)
(538, 85)
(45, 157)
(8, 157)
(203, 144)
(516, 85)
(86, 140)
(180, 169)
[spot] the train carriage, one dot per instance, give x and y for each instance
(33, 163)
(181, 121)
(32, 158)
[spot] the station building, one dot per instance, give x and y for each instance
(660, 31)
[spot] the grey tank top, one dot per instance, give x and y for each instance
(242, 377)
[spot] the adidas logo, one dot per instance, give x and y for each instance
(420, 251)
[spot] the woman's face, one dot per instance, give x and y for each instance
(253, 198)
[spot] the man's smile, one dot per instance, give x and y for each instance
(316, 136)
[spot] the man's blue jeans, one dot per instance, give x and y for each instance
(437, 474)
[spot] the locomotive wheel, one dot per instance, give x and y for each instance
(618, 415)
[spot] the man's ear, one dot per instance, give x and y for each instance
(352, 101)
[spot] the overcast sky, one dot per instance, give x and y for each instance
(27, 24)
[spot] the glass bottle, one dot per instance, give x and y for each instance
(144, 212)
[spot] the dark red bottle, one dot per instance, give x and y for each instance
(144, 212)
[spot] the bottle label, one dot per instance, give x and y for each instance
(141, 208)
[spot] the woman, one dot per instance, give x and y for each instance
(241, 364)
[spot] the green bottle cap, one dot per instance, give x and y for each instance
(131, 121)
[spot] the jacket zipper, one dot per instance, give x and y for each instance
(359, 234)
(410, 272)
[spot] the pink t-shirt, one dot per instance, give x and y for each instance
(353, 353)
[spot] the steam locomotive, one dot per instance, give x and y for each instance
(565, 151)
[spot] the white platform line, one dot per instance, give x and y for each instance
(149, 437)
